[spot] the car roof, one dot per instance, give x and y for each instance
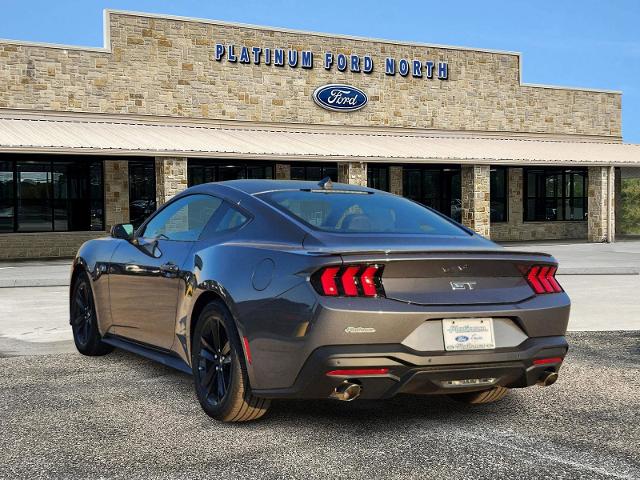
(252, 187)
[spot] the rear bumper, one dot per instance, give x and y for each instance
(413, 373)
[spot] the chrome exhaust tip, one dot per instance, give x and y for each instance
(346, 392)
(547, 379)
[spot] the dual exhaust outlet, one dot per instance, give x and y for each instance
(346, 392)
(548, 378)
(349, 391)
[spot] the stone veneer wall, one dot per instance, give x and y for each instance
(475, 183)
(171, 178)
(283, 171)
(43, 245)
(167, 67)
(395, 180)
(116, 192)
(598, 221)
(354, 173)
(515, 229)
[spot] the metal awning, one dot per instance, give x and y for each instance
(100, 135)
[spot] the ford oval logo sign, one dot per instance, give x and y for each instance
(462, 338)
(340, 98)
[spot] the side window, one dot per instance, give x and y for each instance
(184, 219)
(231, 219)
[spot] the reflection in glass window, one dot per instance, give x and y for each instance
(498, 189)
(436, 187)
(206, 171)
(363, 213)
(142, 190)
(314, 172)
(231, 219)
(6, 197)
(378, 177)
(555, 194)
(44, 193)
(34, 212)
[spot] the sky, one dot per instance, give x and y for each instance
(584, 43)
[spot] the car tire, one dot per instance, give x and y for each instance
(219, 369)
(83, 319)
(485, 396)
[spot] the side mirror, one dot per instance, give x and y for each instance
(123, 231)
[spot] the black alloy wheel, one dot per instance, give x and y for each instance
(219, 368)
(214, 362)
(84, 324)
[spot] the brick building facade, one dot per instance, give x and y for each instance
(169, 102)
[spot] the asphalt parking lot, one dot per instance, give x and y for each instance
(63, 415)
(120, 416)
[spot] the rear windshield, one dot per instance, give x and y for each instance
(339, 212)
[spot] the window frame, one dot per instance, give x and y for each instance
(51, 161)
(445, 184)
(214, 166)
(371, 167)
(563, 198)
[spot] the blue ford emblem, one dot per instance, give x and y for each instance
(462, 338)
(340, 98)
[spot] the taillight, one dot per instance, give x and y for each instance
(542, 279)
(328, 281)
(349, 281)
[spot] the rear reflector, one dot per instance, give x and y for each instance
(358, 372)
(546, 361)
(542, 279)
(349, 281)
(247, 352)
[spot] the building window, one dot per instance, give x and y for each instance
(435, 187)
(142, 190)
(314, 171)
(499, 194)
(553, 194)
(378, 177)
(205, 171)
(45, 194)
(7, 200)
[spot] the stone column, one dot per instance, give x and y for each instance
(618, 201)
(283, 171)
(395, 180)
(354, 173)
(475, 198)
(171, 178)
(601, 193)
(116, 192)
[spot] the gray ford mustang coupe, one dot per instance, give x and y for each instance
(269, 289)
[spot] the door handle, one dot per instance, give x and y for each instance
(169, 268)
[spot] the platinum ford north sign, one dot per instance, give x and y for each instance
(280, 57)
(340, 98)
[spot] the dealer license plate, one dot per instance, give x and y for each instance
(468, 334)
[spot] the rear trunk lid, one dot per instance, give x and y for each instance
(441, 271)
